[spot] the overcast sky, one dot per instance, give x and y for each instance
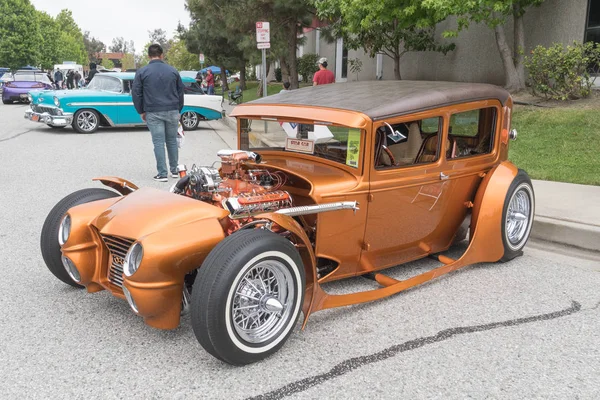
(131, 19)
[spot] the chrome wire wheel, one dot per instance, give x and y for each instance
(189, 120)
(87, 121)
(263, 301)
(519, 216)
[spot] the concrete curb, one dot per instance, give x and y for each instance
(570, 233)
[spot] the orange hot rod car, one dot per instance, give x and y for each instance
(329, 182)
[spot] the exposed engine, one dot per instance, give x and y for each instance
(243, 192)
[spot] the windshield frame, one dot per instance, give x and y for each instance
(358, 170)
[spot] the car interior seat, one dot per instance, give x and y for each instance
(429, 148)
(406, 152)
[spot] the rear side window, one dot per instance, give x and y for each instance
(472, 132)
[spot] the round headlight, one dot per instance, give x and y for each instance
(30, 98)
(133, 259)
(64, 230)
(56, 102)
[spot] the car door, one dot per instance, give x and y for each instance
(127, 112)
(408, 193)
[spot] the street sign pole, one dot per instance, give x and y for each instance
(264, 71)
(263, 42)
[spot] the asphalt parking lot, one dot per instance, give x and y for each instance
(524, 329)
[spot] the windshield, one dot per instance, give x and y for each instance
(341, 144)
(106, 83)
(31, 77)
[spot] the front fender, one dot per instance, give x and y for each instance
(307, 253)
(121, 185)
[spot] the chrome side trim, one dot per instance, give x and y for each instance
(87, 104)
(110, 122)
(304, 210)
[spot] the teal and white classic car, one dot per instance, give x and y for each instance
(107, 102)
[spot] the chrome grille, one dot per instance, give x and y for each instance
(117, 247)
(41, 109)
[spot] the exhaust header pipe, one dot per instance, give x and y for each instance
(316, 209)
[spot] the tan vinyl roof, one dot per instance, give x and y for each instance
(382, 99)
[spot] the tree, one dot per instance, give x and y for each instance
(128, 61)
(495, 14)
(179, 57)
(48, 47)
(72, 47)
(19, 34)
(107, 63)
(393, 27)
(93, 46)
(160, 36)
(120, 45)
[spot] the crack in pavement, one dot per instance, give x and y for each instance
(351, 364)
(15, 136)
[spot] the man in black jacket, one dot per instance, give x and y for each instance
(93, 71)
(158, 97)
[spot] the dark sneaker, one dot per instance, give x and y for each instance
(174, 175)
(160, 178)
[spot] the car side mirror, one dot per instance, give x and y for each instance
(512, 135)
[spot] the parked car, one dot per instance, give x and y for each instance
(6, 77)
(107, 102)
(22, 82)
(329, 182)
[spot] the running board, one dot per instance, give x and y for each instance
(390, 286)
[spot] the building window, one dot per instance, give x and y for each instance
(592, 31)
(341, 61)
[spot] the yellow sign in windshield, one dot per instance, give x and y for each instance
(353, 154)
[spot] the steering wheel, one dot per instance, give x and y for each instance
(390, 154)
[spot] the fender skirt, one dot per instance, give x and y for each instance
(485, 245)
(121, 185)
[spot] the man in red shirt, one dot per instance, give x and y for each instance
(210, 82)
(323, 76)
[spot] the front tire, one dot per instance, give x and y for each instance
(247, 296)
(190, 120)
(517, 216)
(86, 121)
(49, 237)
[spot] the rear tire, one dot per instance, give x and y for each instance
(517, 216)
(190, 120)
(49, 237)
(7, 101)
(247, 296)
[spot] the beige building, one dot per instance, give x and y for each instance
(476, 57)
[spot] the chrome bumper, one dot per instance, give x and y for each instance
(45, 118)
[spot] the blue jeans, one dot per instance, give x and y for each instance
(211, 89)
(163, 127)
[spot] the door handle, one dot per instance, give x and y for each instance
(443, 176)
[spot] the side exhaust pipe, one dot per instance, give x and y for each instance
(316, 209)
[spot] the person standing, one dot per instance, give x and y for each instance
(210, 82)
(158, 97)
(58, 79)
(77, 79)
(70, 79)
(323, 76)
(93, 71)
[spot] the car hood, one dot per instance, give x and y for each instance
(323, 177)
(148, 210)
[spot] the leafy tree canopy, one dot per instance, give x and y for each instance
(180, 58)
(19, 34)
(120, 45)
(93, 46)
(393, 27)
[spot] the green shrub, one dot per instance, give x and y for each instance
(561, 73)
(307, 66)
(278, 76)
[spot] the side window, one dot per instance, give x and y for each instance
(472, 132)
(407, 143)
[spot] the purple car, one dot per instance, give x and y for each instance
(23, 82)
